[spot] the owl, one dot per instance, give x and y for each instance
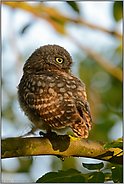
(52, 97)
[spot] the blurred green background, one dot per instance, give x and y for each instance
(92, 33)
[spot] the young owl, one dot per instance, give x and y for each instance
(51, 96)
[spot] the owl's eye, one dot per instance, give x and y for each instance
(59, 60)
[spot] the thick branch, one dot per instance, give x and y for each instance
(61, 146)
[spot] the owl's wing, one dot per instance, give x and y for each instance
(83, 123)
(84, 111)
(59, 100)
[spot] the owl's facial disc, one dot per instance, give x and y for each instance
(63, 64)
(48, 57)
(60, 61)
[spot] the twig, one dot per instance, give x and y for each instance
(100, 59)
(50, 14)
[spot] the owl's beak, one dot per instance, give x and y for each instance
(68, 70)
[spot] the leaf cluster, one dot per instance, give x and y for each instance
(99, 175)
(115, 144)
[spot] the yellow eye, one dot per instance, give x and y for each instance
(59, 60)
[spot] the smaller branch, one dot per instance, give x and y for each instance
(100, 59)
(61, 146)
(42, 11)
(99, 28)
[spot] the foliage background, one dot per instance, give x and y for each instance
(25, 30)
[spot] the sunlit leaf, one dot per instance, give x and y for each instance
(69, 176)
(115, 144)
(94, 166)
(120, 48)
(108, 176)
(117, 174)
(118, 10)
(74, 5)
(59, 27)
(96, 177)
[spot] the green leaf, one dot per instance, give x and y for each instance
(25, 163)
(74, 6)
(94, 166)
(108, 176)
(26, 27)
(96, 177)
(69, 176)
(115, 144)
(117, 174)
(118, 10)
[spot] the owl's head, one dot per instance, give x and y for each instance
(48, 57)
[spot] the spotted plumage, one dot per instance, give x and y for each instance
(50, 96)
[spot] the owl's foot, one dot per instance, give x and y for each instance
(48, 134)
(42, 134)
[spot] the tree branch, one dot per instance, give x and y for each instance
(100, 59)
(39, 11)
(61, 146)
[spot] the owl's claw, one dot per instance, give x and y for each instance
(48, 134)
(42, 134)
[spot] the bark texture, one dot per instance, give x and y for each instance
(62, 146)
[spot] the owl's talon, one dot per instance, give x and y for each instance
(48, 134)
(42, 134)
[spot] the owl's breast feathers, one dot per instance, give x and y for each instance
(58, 98)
